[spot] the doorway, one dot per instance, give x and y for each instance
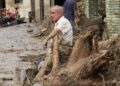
(59, 2)
(2, 4)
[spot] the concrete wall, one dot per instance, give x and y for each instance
(24, 7)
(113, 15)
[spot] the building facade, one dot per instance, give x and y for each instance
(90, 7)
(113, 16)
(40, 9)
(110, 8)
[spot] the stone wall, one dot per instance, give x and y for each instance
(113, 15)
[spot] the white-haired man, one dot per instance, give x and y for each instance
(63, 28)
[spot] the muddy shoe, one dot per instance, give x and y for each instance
(36, 34)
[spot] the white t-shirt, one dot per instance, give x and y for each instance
(65, 27)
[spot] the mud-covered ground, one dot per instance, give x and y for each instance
(16, 42)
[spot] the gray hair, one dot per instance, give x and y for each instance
(58, 9)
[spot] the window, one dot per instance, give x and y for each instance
(18, 1)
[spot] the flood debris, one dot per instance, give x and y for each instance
(80, 67)
(90, 61)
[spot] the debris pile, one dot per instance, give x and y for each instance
(89, 67)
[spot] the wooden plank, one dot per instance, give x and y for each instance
(55, 52)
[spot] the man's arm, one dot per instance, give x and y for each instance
(52, 34)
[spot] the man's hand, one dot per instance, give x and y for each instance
(52, 34)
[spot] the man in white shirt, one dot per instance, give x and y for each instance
(64, 29)
(62, 26)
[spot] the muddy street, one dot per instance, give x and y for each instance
(16, 42)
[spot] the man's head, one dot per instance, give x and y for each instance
(56, 13)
